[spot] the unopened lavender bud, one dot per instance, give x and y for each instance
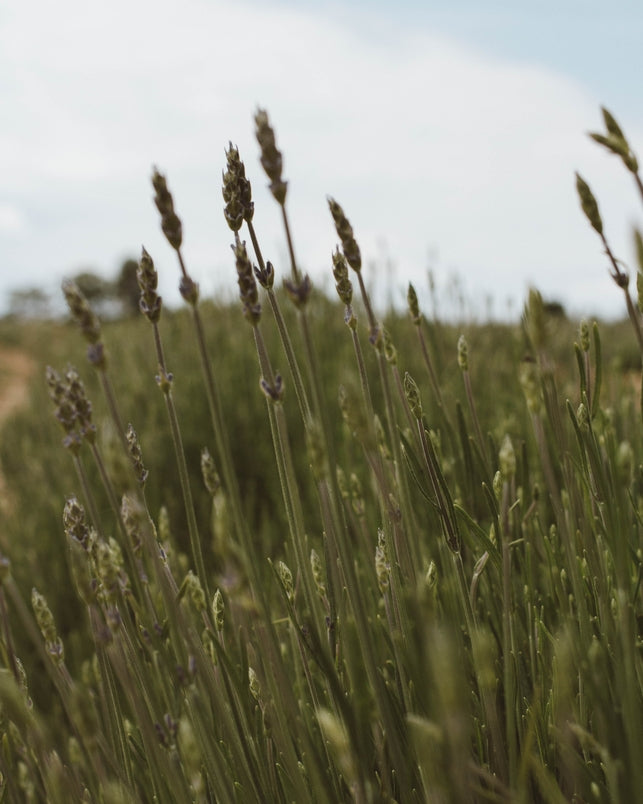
(82, 406)
(218, 608)
(382, 565)
(589, 204)
(265, 276)
(611, 125)
(96, 356)
(463, 353)
(616, 141)
(530, 382)
(350, 319)
(47, 626)
(431, 577)
(275, 391)
(150, 302)
(614, 144)
(318, 572)
(164, 380)
(81, 311)
(507, 459)
(247, 284)
(583, 334)
(414, 307)
(65, 411)
(189, 290)
(195, 591)
(298, 292)
(254, 684)
(535, 319)
(170, 223)
(345, 234)
(75, 524)
(343, 284)
(335, 734)
(132, 517)
(412, 393)
(271, 158)
(285, 575)
(237, 192)
(497, 485)
(136, 456)
(638, 243)
(211, 478)
(109, 562)
(390, 352)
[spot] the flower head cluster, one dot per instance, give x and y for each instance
(237, 192)
(170, 222)
(271, 159)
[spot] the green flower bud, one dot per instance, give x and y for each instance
(218, 607)
(507, 459)
(254, 684)
(530, 382)
(382, 564)
(412, 393)
(583, 334)
(589, 204)
(192, 586)
(463, 353)
(47, 626)
(285, 575)
(431, 577)
(211, 478)
(414, 307)
(318, 572)
(535, 319)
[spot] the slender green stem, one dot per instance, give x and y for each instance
(108, 391)
(165, 383)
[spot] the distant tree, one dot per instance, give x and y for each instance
(127, 288)
(100, 293)
(30, 303)
(94, 287)
(555, 309)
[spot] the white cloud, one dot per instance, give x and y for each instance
(12, 221)
(424, 142)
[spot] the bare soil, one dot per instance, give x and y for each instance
(16, 370)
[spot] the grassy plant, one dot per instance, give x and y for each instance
(391, 574)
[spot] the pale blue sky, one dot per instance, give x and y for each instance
(449, 129)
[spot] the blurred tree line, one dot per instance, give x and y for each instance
(116, 298)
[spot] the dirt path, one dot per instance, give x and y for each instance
(16, 370)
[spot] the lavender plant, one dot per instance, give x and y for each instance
(448, 608)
